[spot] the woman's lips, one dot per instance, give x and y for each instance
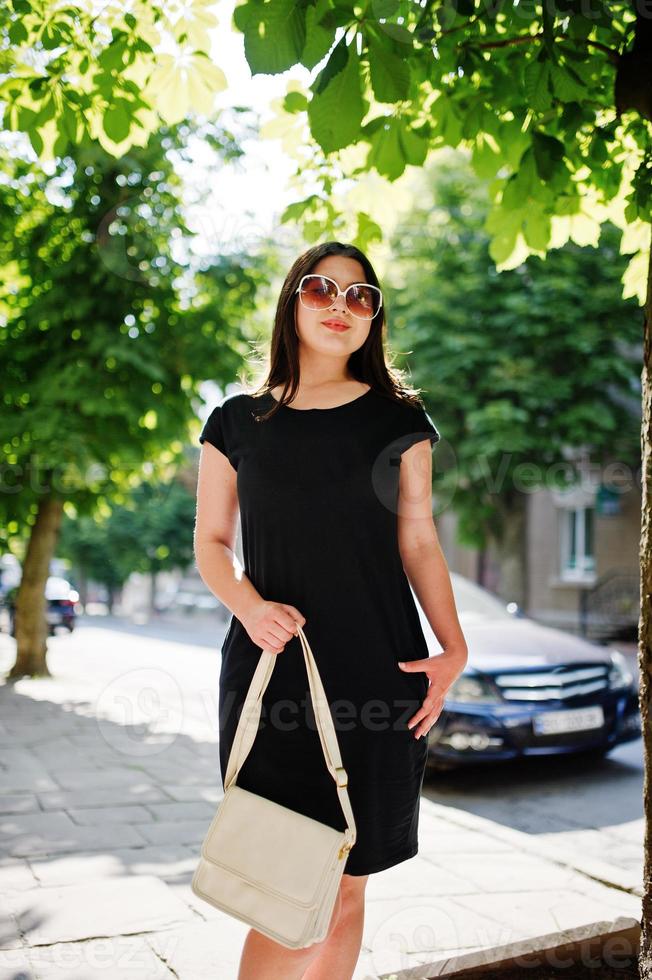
(338, 325)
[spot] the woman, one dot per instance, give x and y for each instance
(329, 466)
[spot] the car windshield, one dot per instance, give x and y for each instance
(474, 603)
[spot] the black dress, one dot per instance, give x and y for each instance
(318, 491)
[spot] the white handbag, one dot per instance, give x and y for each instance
(265, 864)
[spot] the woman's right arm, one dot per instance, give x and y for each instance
(269, 624)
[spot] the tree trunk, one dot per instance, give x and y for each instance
(30, 615)
(511, 548)
(645, 632)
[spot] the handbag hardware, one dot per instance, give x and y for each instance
(266, 864)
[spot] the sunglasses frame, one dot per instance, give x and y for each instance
(341, 292)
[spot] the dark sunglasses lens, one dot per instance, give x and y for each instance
(317, 292)
(363, 301)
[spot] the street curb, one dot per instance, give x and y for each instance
(579, 945)
(593, 868)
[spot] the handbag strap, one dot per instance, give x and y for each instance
(250, 715)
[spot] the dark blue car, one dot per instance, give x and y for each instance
(528, 690)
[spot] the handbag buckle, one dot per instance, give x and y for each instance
(345, 778)
(344, 849)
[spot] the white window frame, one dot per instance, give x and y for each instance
(584, 571)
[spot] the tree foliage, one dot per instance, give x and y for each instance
(110, 73)
(554, 102)
(108, 327)
(519, 368)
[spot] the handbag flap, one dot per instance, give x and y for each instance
(279, 849)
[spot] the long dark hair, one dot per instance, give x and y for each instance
(367, 364)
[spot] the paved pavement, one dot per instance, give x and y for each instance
(109, 775)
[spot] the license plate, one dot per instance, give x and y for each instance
(573, 720)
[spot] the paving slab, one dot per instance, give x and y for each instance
(167, 861)
(123, 957)
(59, 838)
(203, 949)
(175, 831)
(96, 796)
(112, 907)
(92, 815)
(18, 803)
(14, 965)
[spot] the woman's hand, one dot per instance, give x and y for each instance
(443, 670)
(271, 624)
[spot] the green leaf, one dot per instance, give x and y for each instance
(414, 145)
(368, 231)
(502, 245)
(68, 123)
(336, 111)
(111, 59)
(53, 37)
(297, 210)
(26, 118)
(17, 33)
(116, 123)
(274, 34)
(295, 102)
(319, 38)
(390, 75)
(536, 78)
(579, 26)
(60, 144)
(36, 141)
(46, 111)
(447, 119)
(386, 154)
(548, 154)
(485, 158)
(385, 8)
(536, 229)
(333, 67)
(564, 85)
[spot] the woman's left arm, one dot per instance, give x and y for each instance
(427, 572)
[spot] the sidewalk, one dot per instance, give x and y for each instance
(101, 820)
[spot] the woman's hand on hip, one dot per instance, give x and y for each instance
(442, 670)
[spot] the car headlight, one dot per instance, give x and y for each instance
(620, 675)
(471, 689)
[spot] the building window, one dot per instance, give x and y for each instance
(577, 543)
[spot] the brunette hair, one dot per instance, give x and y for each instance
(367, 364)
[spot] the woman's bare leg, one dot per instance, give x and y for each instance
(264, 959)
(340, 950)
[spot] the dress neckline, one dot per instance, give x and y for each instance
(332, 408)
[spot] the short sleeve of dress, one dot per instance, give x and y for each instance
(414, 425)
(230, 428)
(213, 430)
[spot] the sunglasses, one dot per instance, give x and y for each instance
(320, 292)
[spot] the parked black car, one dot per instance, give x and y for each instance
(61, 600)
(528, 689)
